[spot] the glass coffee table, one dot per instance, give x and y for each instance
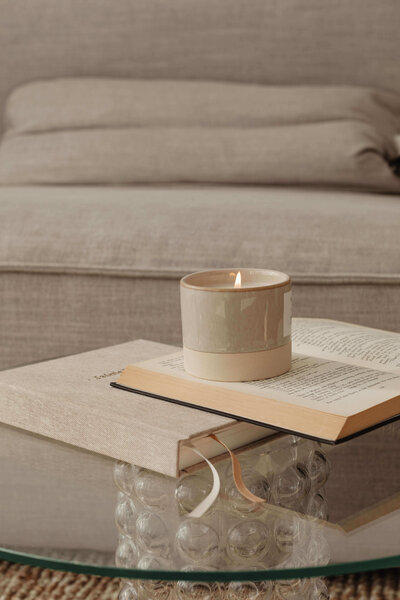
(72, 510)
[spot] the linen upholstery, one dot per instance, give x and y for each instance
(274, 42)
(164, 131)
(86, 267)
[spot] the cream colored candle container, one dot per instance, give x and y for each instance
(236, 324)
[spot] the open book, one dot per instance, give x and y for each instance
(345, 379)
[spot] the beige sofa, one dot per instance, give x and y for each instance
(82, 267)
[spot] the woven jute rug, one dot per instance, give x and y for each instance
(19, 582)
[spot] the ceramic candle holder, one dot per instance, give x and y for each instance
(236, 324)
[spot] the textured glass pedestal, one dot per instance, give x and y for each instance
(287, 531)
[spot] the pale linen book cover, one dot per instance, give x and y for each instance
(69, 399)
(344, 379)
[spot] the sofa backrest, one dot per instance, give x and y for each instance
(265, 41)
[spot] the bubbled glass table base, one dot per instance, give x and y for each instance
(299, 589)
(156, 531)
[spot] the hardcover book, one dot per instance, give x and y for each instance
(70, 399)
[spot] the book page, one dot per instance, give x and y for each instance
(329, 386)
(353, 344)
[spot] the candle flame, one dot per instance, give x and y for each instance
(238, 280)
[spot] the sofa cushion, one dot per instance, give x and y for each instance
(56, 104)
(203, 132)
(85, 267)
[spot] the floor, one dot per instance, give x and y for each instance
(19, 582)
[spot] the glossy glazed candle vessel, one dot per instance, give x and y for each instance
(236, 324)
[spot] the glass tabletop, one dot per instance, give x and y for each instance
(326, 511)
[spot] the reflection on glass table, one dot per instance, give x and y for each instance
(70, 509)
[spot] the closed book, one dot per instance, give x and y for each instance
(70, 399)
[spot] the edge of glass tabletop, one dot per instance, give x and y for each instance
(221, 576)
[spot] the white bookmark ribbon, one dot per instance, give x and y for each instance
(209, 500)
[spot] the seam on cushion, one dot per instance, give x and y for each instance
(172, 274)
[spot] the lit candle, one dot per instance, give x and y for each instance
(236, 324)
